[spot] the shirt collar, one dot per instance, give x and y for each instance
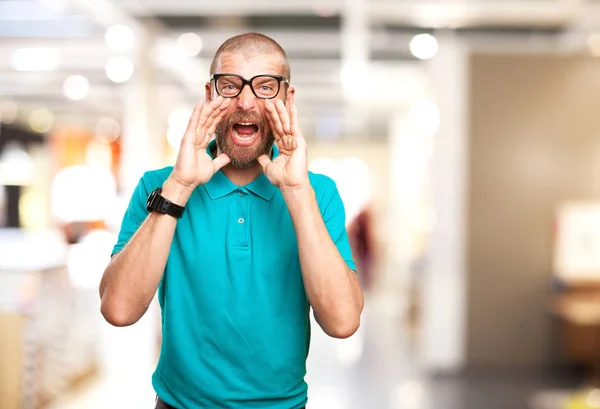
(220, 185)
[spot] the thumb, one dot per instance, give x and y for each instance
(264, 161)
(221, 161)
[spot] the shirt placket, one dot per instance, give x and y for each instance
(241, 220)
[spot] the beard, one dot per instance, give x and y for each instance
(244, 157)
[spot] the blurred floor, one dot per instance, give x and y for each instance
(374, 369)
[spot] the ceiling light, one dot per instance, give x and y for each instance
(16, 166)
(190, 44)
(107, 130)
(119, 69)
(119, 38)
(76, 87)
(41, 120)
(35, 59)
(424, 46)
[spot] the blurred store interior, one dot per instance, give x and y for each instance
(464, 137)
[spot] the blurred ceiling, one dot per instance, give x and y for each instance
(320, 37)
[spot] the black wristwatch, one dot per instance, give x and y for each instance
(157, 203)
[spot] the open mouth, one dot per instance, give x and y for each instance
(244, 133)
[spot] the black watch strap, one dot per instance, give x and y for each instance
(157, 203)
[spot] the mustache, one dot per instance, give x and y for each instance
(246, 117)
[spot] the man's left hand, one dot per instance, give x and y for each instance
(290, 168)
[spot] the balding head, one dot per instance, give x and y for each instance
(248, 45)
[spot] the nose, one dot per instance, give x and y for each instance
(246, 100)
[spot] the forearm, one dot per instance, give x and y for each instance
(331, 287)
(131, 279)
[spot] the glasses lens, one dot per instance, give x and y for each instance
(265, 87)
(229, 85)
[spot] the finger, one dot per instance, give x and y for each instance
(190, 135)
(203, 140)
(264, 161)
(289, 142)
(276, 134)
(272, 125)
(277, 127)
(295, 127)
(211, 113)
(295, 131)
(219, 110)
(211, 130)
(213, 121)
(283, 116)
(207, 111)
(273, 130)
(221, 161)
(193, 122)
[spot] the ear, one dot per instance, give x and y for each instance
(289, 99)
(208, 91)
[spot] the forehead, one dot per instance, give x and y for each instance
(250, 65)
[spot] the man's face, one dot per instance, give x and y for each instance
(244, 133)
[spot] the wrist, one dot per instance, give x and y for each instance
(299, 192)
(176, 192)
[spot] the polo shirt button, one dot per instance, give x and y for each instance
(241, 220)
(241, 193)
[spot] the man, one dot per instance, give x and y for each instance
(240, 240)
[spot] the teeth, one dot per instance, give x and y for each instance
(246, 123)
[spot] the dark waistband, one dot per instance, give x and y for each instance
(161, 404)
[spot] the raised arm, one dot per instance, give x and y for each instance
(331, 286)
(131, 279)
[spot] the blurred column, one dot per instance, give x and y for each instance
(355, 53)
(130, 353)
(142, 140)
(408, 163)
(444, 286)
(355, 32)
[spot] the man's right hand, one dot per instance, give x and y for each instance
(194, 166)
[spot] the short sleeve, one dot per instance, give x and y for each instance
(134, 216)
(334, 216)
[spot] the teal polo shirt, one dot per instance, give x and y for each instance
(235, 315)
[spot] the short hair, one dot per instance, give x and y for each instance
(250, 44)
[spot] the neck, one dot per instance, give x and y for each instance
(241, 177)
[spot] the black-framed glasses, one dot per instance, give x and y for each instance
(263, 86)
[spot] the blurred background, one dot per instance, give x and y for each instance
(464, 137)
